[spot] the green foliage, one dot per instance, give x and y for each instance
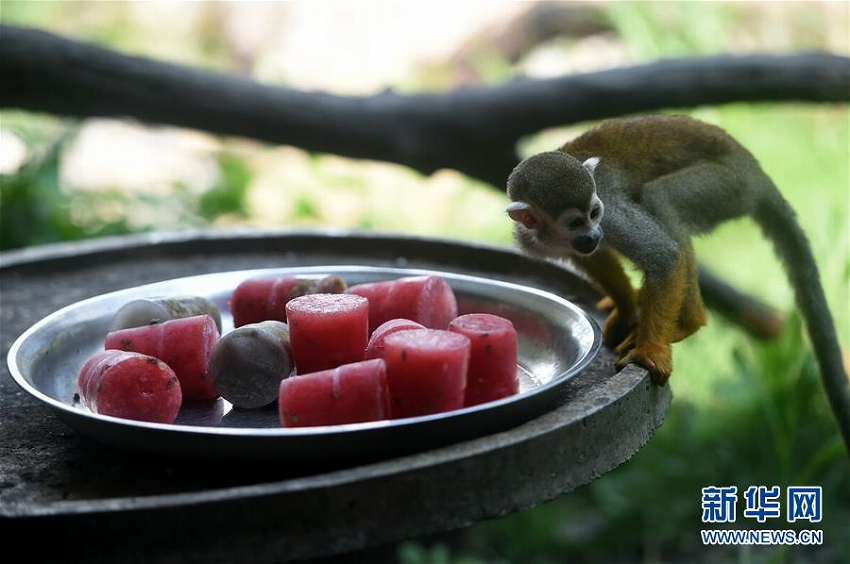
(34, 210)
(227, 197)
(306, 208)
(656, 29)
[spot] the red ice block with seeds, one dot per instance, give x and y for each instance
(129, 385)
(426, 371)
(183, 344)
(492, 370)
(428, 300)
(375, 347)
(327, 330)
(262, 299)
(351, 393)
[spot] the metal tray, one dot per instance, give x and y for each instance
(556, 340)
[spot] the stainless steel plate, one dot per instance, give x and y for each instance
(556, 341)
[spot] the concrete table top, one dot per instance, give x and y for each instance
(81, 499)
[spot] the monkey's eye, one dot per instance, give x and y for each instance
(577, 223)
(594, 213)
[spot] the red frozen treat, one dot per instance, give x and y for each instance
(428, 300)
(130, 385)
(263, 299)
(492, 370)
(351, 393)
(426, 371)
(375, 348)
(327, 330)
(183, 344)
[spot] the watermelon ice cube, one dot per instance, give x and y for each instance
(129, 385)
(183, 344)
(492, 370)
(350, 393)
(327, 330)
(426, 371)
(262, 299)
(428, 300)
(375, 347)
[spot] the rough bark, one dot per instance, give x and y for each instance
(471, 129)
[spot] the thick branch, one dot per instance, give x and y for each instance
(473, 130)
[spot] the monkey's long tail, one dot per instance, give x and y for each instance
(779, 223)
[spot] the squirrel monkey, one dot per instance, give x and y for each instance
(640, 187)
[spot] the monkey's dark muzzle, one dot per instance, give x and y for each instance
(586, 244)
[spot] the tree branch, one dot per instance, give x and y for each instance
(472, 129)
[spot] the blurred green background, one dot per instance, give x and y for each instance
(744, 412)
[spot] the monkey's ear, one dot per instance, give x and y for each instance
(590, 164)
(523, 213)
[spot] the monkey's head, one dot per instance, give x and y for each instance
(554, 205)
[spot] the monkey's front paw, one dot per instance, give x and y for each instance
(657, 359)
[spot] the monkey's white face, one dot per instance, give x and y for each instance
(556, 208)
(573, 231)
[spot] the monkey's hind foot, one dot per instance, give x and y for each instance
(656, 358)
